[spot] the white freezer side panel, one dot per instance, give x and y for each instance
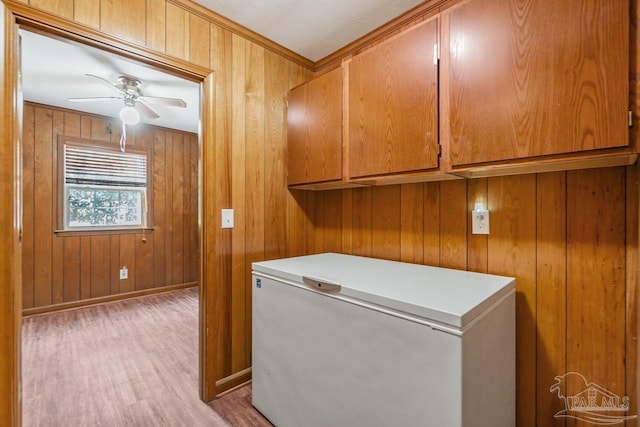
(489, 348)
(318, 361)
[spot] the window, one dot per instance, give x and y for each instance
(103, 187)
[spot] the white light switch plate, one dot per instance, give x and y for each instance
(480, 222)
(227, 218)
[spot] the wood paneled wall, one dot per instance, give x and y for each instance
(246, 162)
(569, 238)
(255, 91)
(60, 268)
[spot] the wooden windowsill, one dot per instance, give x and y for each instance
(104, 231)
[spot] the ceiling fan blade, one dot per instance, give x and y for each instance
(105, 81)
(171, 102)
(95, 98)
(146, 111)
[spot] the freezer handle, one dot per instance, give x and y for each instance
(321, 284)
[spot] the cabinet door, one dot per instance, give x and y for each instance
(314, 130)
(393, 105)
(535, 77)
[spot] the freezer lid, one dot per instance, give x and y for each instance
(450, 297)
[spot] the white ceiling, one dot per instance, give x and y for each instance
(53, 71)
(313, 29)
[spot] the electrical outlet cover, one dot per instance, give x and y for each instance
(480, 222)
(227, 218)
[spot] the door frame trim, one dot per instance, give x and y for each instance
(18, 15)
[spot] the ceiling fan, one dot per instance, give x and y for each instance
(128, 89)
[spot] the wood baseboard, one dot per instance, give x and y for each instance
(108, 298)
(232, 389)
(229, 383)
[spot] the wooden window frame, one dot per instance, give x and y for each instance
(100, 145)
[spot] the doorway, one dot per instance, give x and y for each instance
(114, 205)
(10, 220)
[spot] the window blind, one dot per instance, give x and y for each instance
(91, 166)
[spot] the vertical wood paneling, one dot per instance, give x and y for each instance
(28, 201)
(275, 209)
(316, 241)
(240, 269)
(100, 131)
(114, 268)
(329, 209)
(362, 212)
(512, 252)
(347, 215)
(312, 223)
(177, 27)
(255, 148)
(453, 224)
(178, 208)
(87, 266)
(124, 18)
(298, 222)
(188, 221)
(255, 169)
(199, 39)
(144, 262)
(229, 315)
(100, 265)
(412, 223)
(85, 127)
(385, 222)
(194, 187)
(62, 8)
(159, 208)
(432, 239)
(168, 208)
(596, 289)
(551, 266)
(72, 272)
(43, 201)
(87, 12)
(71, 124)
(156, 24)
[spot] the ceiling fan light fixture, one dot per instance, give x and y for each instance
(129, 115)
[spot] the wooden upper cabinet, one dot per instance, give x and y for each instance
(531, 78)
(393, 105)
(314, 130)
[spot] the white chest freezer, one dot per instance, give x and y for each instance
(341, 340)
